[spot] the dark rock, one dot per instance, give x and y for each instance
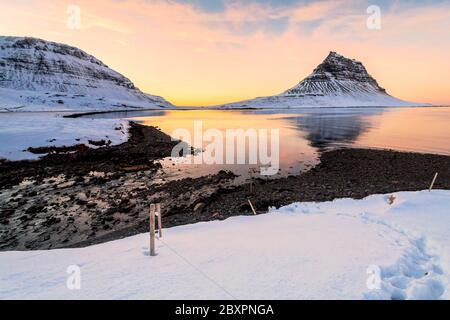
(52, 221)
(81, 202)
(34, 209)
(91, 205)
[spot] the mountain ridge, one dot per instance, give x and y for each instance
(40, 75)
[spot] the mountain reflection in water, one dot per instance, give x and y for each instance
(306, 132)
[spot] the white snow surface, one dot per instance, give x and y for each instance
(39, 75)
(12, 100)
(302, 251)
(21, 130)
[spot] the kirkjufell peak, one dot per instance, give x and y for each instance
(337, 75)
(336, 82)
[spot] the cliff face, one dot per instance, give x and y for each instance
(337, 75)
(38, 71)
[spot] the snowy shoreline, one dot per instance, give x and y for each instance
(20, 131)
(272, 256)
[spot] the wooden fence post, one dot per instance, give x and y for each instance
(391, 199)
(158, 208)
(152, 230)
(251, 206)
(434, 180)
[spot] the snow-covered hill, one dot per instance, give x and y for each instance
(336, 82)
(37, 75)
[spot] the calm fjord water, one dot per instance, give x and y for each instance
(304, 133)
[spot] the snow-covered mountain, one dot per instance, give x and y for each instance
(37, 75)
(336, 82)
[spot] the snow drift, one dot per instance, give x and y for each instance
(336, 82)
(37, 75)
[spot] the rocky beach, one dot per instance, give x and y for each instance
(78, 196)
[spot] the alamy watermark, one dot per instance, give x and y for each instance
(374, 279)
(73, 21)
(74, 279)
(374, 20)
(231, 146)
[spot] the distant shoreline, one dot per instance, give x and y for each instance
(71, 113)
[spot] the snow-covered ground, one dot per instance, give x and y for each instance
(12, 100)
(19, 131)
(302, 251)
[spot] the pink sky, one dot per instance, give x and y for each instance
(193, 56)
